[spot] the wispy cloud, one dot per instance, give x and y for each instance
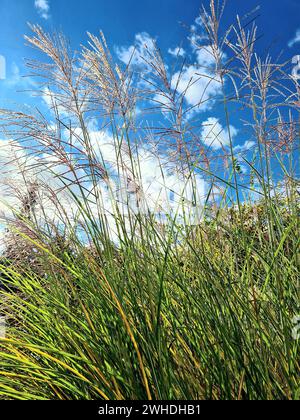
(138, 52)
(15, 79)
(159, 186)
(198, 82)
(43, 8)
(214, 135)
(295, 40)
(177, 52)
(199, 90)
(248, 145)
(2, 67)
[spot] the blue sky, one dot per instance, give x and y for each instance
(120, 20)
(166, 20)
(129, 22)
(123, 22)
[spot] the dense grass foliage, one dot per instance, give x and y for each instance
(209, 318)
(162, 310)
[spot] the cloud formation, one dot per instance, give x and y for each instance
(43, 8)
(295, 40)
(18, 170)
(197, 82)
(177, 52)
(214, 135)
(138, 52)
(15, 79)
(145, 183)
(248, 145)
(198, 90)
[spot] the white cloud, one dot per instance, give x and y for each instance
(157, 186)
(18, 169)
(198, 87)
(137, 53)
(295, 40)
(199, 21)
(157, 181)
(15, 78)
(55, 102)
(244, 170)
(60, 103)
(198, 82)
(214, 135)
(248, 145)
(205, 57)
(163, 100)
(177, 52)
(43, 8)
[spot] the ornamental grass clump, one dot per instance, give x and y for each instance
(146, 256)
